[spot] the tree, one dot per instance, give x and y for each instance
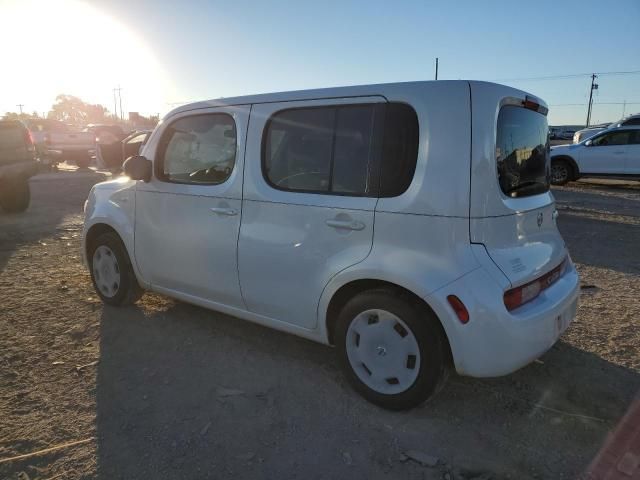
(20, 116)
(70, 109)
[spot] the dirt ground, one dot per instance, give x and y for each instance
(166, 390)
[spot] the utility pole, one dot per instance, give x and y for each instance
(594, 86)
(20, 105)
(436, 68)
(624, 107)
(120, 97)
(115, 104)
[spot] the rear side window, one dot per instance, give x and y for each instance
(342, 150)
(400, 149)
(321, 150)
(631, 122)
(200, 149)
(522, 151)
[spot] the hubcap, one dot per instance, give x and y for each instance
(559, 173)
(106, 271)
(383, 351)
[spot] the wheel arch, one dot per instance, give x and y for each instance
(572, 163)
(345, 292)
(97, 228)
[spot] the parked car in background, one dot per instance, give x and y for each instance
(17, 164)
(108, 140)
(630, 121)
(585, 133)
(112, 153)
(41, 130)
(264, 207)
(71, 144)
(611, 153)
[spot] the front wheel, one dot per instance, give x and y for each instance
(391, 348)
(111, 271)
(560, 172)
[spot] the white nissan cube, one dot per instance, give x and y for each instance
(409, 225)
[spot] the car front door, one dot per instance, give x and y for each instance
(309, 201)
(605, 153)
(188, 215)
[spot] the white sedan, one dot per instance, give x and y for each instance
(612, 153)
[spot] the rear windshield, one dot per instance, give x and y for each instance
(522, 151)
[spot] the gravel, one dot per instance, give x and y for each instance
(163, 389)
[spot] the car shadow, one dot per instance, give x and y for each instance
(56, 208)
(183, 392)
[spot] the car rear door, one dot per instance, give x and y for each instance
(188, 215)
(308, 202)
(632, 159)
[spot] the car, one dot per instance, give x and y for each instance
(17, 165)
(585, 133)
(384, 220)
(112, 154)
(612, 153)
(630, 121)
(41, 130)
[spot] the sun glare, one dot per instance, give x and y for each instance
(66, 46)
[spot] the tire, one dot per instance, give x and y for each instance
(15, 195)
(414, 372)
(561, 172)
(111, 272)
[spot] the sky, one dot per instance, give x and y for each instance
(164, 53)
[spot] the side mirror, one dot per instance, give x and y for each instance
(588, 143)
(138, 167)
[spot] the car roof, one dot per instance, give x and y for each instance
(322, 93)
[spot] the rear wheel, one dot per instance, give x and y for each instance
(560, 172)
(391, 348)
(15, 195)
(111, 272)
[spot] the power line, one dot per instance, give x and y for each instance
(595, 103)
(572, 75)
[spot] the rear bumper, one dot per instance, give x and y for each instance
(495, 341)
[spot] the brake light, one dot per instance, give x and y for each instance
(531, 104)
(518, 296)
(459, 308)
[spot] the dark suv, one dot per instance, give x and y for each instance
(17, 164)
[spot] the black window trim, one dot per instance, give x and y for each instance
(161, 149)
(378, 134)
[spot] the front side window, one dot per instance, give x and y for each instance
(622, 137)
(522, 151)
(321, 150)
(200, 149)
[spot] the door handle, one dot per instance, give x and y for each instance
(346, 224)
(224, 211)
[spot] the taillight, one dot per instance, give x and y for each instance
(28, 137)
(518, 296)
